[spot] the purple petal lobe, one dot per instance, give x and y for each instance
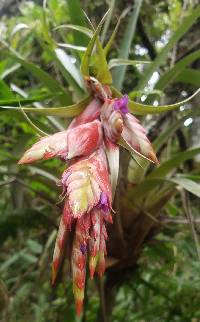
(83, 248)
(121, 104)
(65, 176)
(103, 202)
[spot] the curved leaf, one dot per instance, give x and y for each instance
(44, 77)
(88, 52)
(169, 165)
(184, 27)
(70, 46)
(187, 184)
(24, 101)
(171, 74)
(170, 129)
(77, 18)
(142, 109)
(68, 111)
(86, 31)
(5, 92)
(189, 76)
(125, 62)
(112, 37)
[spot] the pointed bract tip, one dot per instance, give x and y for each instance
(79, 307)
(53, 275)
(24, 160)
(92, 270)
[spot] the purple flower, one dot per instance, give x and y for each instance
(83, 248)
(103, 202)
(121, 104)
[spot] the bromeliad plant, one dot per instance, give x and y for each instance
(90, 150)
(89, 182)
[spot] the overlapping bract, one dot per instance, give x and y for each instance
(80, 141)
(90, 147)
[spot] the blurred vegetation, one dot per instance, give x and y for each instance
(157, 275)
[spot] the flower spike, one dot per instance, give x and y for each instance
(90, 145)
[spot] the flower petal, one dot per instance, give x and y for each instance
(90, 113)
(46, 148)
(121, 104)
(95, 238)
(78, 260)
(112, 121)
(62, 236)
(135, 137)
(84, 182)
(84, 139)
(112, 152)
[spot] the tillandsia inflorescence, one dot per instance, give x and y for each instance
(89, 146)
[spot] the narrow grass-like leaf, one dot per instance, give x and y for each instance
(163, 137)
(119, 73)
(5, 92)
(187, 184)
(126, 62)
(134, 94)
(112, 37)
(169, 165)
(174, 72)
(68, 111)
(44, 77)
(19, 27)
(88, 53)
(184, 27)
(107, 21)
(103, 74)
(69, 46)
(189, 76)
(69, 69)
(25, 101)
(77, 18)
(33, 126)
(84, 30)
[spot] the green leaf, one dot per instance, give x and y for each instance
(171, 164)
(174, 72)
(112, 37)
(160, 59)
(44, 77)
(189, 76)
(68, 111)
(86, 31)
(24, 101)
(134, 94)
(103, 73)
(69, 46)
(77, 18)
(119, 73)
(88, 53)
(68, 69)
(32, 125)
(5, 92)
(142, 109)
(45, 26)
(125, 62)
(170, 130)
(108, 20)
(187, 184)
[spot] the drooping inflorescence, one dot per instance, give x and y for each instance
(90, 148)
